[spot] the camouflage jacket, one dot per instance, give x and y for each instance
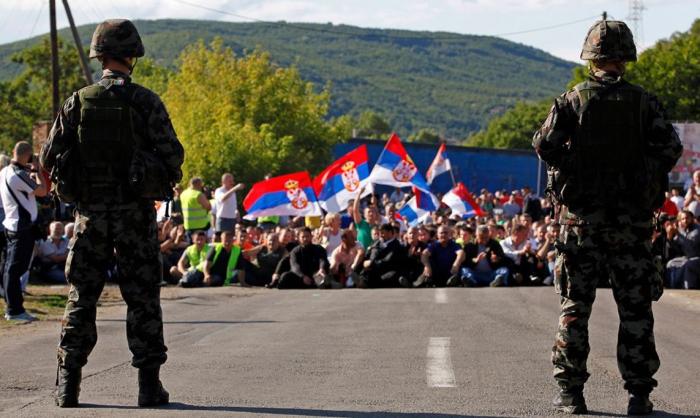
(553, 140)
(155, 123)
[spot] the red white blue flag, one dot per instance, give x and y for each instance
(290, 194)
(461, 202)
(418, 208)
(441, 164)
(395, 168)
(341, 181)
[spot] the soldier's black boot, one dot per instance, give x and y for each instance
(570, 402)
(639, 404)
(68, 387)
(151, 391)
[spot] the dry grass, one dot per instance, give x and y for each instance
(48, 302)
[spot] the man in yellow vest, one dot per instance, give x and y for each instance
(223, 264)
(190, 268)
(195, 207)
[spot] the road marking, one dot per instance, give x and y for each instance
(440, 295)
(439, 367)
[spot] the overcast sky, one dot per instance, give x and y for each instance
(21, 19)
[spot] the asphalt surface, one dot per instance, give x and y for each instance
(355, 353)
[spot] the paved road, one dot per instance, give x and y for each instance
(355, 353)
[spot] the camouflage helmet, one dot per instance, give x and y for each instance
(116, 38)
(609, 40)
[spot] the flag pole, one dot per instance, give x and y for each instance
(454, 183)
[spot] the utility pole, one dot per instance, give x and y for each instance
(54, 57)
(76, 37)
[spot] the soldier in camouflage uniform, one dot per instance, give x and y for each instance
(609, 149)
(104, 123)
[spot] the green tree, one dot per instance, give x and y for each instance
(247, 116)
(372, 125)
(671, 70)
(514, 129)
(426, 136)
(151, 75)
(578, 75)
(27, 98)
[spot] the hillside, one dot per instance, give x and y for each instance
(451, 83)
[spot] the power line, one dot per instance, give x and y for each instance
(548, 27)
(41, 9)
(38, 16)
(100, 16)
(354, 34)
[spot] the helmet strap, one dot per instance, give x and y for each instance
(128, 65)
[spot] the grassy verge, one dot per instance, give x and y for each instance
(48, 302)
(44, 302)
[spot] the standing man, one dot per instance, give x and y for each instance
(195, 207)
(605, 204)
(111, 215)
(364, 226)
(20, 184)
(226, 204)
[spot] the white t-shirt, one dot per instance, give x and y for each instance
(20, 203)
(331, 242)
(225, 208)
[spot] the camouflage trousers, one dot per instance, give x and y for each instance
(590, 254)
(131, 235)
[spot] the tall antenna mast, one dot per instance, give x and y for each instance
(636, 10)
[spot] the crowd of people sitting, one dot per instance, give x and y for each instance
(205, 242)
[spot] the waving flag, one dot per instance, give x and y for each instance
(395, 168)
(441, 164)
(341, 181)
(461, 202)
(418, 208)
(290, 194)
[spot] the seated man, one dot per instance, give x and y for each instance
(223, 263)
(684, 272)
(288, 242)
(546, 237)
(190, 267)
(466, 235)
(345, 260)
(664, 245)
(266, 261)
(414, 252)
(52, 253)
(522, 252)
(385, 262)
(308, 264)
(441, 261)
(485, 262)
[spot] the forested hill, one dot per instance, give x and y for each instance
(451, 83)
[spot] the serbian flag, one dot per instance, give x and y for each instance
(341, 181)
(290, 194)
(395, 168)
(461, 202)
(418, 208)
(441, 164)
